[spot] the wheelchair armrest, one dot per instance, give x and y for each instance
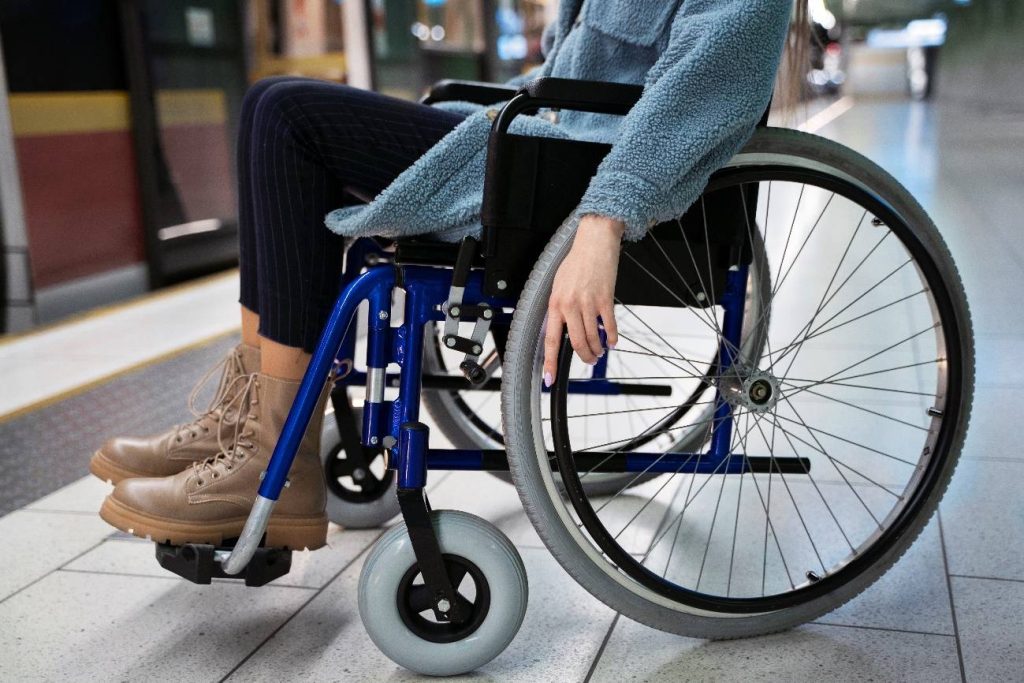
(468, 91)
(593, 96)
(532, 183)
(598, 97)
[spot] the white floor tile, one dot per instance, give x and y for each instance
(487, 496)
(991, 421)
(997, 360)
(809, 653)
(983, 519)
(36, 543)
(558, 640)
(912, 596)
(988, 616)
(96, 627)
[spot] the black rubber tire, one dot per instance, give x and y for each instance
(371, 514)
(522, 385)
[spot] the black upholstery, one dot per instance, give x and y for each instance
(533, 183)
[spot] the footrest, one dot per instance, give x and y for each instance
(198, 563)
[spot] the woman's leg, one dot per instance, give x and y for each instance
(249, 291)
(308, 142)
(173, 450)
(250, 327)
(311, 141)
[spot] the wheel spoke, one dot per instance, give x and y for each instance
(631, 410)
(839, 471)
(817, 469)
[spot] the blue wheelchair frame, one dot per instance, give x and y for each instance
(427, 289)
(395, 424)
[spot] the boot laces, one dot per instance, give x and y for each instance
(231, 368)
(244, 398)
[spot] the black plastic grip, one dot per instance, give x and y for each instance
(594, 96)
(468, 91)
(468, 251)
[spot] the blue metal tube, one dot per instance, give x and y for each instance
(356, 258)
(426, 289)
(413, 439)
(418, 312)
(378, 345)
(682, 463)
(733, 302)
(455, 459)
(375, 280)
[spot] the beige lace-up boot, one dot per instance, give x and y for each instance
(177, 448)
(210, 501)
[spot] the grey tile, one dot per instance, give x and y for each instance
(912, 596)
(983, 519)
(96, 627)
(487, 496)
(36, 543)
(808, 653)
(559, 638)
(988, 614)
(50, 448)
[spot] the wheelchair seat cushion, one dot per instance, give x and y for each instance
(424, 251)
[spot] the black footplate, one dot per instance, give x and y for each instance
(198, 563)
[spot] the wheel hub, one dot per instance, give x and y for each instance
(750, 388)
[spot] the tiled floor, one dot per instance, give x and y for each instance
(79, 602)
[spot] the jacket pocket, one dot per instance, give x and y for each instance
(639, 22)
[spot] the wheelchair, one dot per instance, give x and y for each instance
(778, 422)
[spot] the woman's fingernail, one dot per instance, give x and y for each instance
(547, 379)
(611, 346)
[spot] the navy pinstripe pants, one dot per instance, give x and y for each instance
(301, 143)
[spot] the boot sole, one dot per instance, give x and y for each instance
(294, 533)
(106, 469)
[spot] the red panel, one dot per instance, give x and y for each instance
(82, 204)
(200, 165)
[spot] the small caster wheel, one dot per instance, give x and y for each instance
(357, 497)
(485, 569)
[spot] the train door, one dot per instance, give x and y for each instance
(186, 68)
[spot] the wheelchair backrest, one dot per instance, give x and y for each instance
(541, 180)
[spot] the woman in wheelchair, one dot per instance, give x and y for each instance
(307, 147)
(735, 362)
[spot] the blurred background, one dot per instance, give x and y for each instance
(117, 117)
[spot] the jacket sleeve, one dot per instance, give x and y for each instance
(701, 102)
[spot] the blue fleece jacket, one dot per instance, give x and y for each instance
(707, 67)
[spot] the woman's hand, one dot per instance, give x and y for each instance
(584, 289)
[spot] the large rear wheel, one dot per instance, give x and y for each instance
(833, 443)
